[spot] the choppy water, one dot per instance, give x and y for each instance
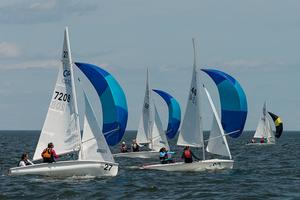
(260, 172)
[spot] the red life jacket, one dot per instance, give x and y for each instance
(187, 154)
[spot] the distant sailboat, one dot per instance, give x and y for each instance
(62, 128)
(191, 134)
(264, 133)
(150, 131)
(278, 124)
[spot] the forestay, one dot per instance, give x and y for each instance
(61, 125)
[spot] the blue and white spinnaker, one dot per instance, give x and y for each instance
(174, 113)
(233, 102)
(113, 101)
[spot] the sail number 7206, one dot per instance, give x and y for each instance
(60, 96)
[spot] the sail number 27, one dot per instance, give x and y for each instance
(107, 166)
(62, 97)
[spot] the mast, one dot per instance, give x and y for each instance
(72, 79)
(150, 111)
(195, 70)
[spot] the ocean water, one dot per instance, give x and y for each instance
(260, 172)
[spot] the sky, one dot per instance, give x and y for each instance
(257, 42)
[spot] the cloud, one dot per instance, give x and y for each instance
(46, 64)
(34, 12)
(8, 50)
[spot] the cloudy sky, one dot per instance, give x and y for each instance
(257, 42)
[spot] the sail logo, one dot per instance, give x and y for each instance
(193, 94)
(66, 73)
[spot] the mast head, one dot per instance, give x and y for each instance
(66, 53)
(194, 49)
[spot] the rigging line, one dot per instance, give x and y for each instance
(103, 134)
(222, 135)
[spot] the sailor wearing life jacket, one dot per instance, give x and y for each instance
(24, 161)
(49, 154)
(188, 155)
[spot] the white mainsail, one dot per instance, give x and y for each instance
(146, 120)
(94, 146)
(61, 126)
(217, 143)
(159, 138)
(191, 132)
(264, 128)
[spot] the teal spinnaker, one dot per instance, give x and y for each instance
(233, 102)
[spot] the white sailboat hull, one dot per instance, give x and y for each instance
(140, 154)
(213, 164)
(69, 169)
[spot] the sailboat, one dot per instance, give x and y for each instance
(150, 132)
(63, 129)
(191, 134)
(264, 133)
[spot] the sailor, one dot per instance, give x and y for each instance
(252, 140)
(24, 161)
(188, 155)
(262, 140)
(123, 147)
(48, 154)
(135, 147)
(165, 156)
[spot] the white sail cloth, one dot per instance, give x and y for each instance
(264, 129)
(159, 138)
(94, 146)
(217, 143)
(150, 129)
(146, 120)
(191, 132)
